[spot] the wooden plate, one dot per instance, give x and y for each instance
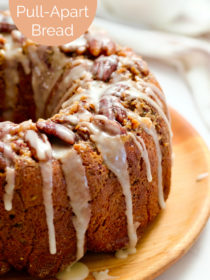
(177, 227)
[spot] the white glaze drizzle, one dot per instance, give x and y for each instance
(78, 192)
(5, 129)
(9, 188)
(152, 132)
(77, 271)
(42, 148)
(143, 150)
(149, 128)
(114, 155)
(10, 176)
(151, 93)
(44, 153)
(47, 179)
(155, 89)
(103, 275)
(79, 73)
(152, 88)
(121, 254)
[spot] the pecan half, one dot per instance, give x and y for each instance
(57, 130)
(104, 66)
(100, 44)
(6, 27)
(39, 145)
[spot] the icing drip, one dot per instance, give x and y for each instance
(152, 132)
(103, 275)
(77, 271)
(148, 127)
(47, 178)
(44, 154)
(114, 155)
(151, 90)
(9, 188)
(10, 175)
(121, 254)
(156, 90)
(78, 192)
(151, 93)
(143, 150)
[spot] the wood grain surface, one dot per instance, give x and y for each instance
(178, 226)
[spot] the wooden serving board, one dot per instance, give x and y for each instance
(178, 226)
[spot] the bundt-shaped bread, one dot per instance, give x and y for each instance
(85, 151)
